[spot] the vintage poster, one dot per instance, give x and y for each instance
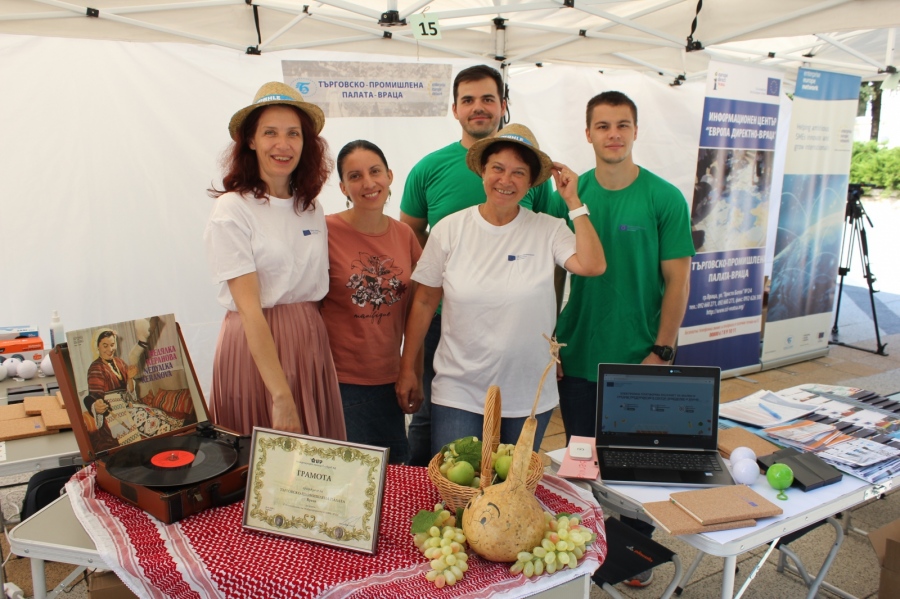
(131, 380)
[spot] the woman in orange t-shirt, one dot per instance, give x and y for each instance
(371, 258)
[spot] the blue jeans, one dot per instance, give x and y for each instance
(449, 424)
(420, 427)
(373, 417)
(578, 405)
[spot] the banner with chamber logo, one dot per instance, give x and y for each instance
(729, 217)
(810, 224)
(371, 89)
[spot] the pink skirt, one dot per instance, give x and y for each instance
(239, 399)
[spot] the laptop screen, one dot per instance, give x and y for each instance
(657, 406)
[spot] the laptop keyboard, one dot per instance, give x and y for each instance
(690, 461)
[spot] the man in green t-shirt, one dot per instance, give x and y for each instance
(441, 184)
(631, 314)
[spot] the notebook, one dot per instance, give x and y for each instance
(676, 521)
(726, 504)
(658, 425)
(734, 437)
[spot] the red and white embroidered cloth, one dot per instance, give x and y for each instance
(210, 555)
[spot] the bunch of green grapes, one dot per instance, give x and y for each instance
(565, 542)
(445, 545)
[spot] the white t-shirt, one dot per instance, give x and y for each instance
(288, 251)
(498, 300)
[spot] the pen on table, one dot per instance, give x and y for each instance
(771, 412)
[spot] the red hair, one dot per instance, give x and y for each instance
(242, 168)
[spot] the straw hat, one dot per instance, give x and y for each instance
(519, 134)
(276, 92)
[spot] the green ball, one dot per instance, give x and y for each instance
(780, 476)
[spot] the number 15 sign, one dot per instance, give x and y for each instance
(424, 27)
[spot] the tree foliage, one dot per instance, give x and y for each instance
(865, 95)
(874, 164)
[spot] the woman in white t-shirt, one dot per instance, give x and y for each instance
(268, 248)
(493, 265)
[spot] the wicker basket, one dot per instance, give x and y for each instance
(457, 496)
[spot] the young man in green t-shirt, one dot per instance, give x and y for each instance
(441, 184)
(632, 313)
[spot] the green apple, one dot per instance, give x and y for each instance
(501, 466)
(462, 473)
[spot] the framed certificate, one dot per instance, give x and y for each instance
(317, 490)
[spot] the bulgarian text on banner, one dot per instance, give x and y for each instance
(371, 89)
(729, 217)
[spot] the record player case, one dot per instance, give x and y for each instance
(168, 504)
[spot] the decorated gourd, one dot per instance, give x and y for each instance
(505, 519)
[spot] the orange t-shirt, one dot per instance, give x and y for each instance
(368, 293)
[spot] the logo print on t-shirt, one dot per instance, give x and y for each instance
(376, 282)
(308, 232)
(514, 257)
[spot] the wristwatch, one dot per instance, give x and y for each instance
(665, 352)
(583, 209)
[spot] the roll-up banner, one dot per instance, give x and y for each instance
(729, 218)
(810, 224)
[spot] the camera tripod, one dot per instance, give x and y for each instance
(855, 234)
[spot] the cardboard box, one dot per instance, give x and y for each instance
(886, 542)
(15, 332)
(106, 585)
(24, 344)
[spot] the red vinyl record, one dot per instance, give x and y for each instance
(172, 458)
(138, 464)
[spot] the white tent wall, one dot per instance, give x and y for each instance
(110, 147)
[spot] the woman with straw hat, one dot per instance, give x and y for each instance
(493, 265)
(267, 246)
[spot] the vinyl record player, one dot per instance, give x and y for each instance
(151, 439)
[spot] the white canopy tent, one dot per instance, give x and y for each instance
(671, 37)
(112, 141)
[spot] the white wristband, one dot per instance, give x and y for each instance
(583, 209)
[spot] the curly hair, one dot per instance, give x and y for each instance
(242, 167)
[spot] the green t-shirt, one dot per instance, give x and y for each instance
(441, 184)
(615, 317)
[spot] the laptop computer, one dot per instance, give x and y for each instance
(658, 425)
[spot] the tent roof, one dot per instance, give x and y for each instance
(650, 35)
